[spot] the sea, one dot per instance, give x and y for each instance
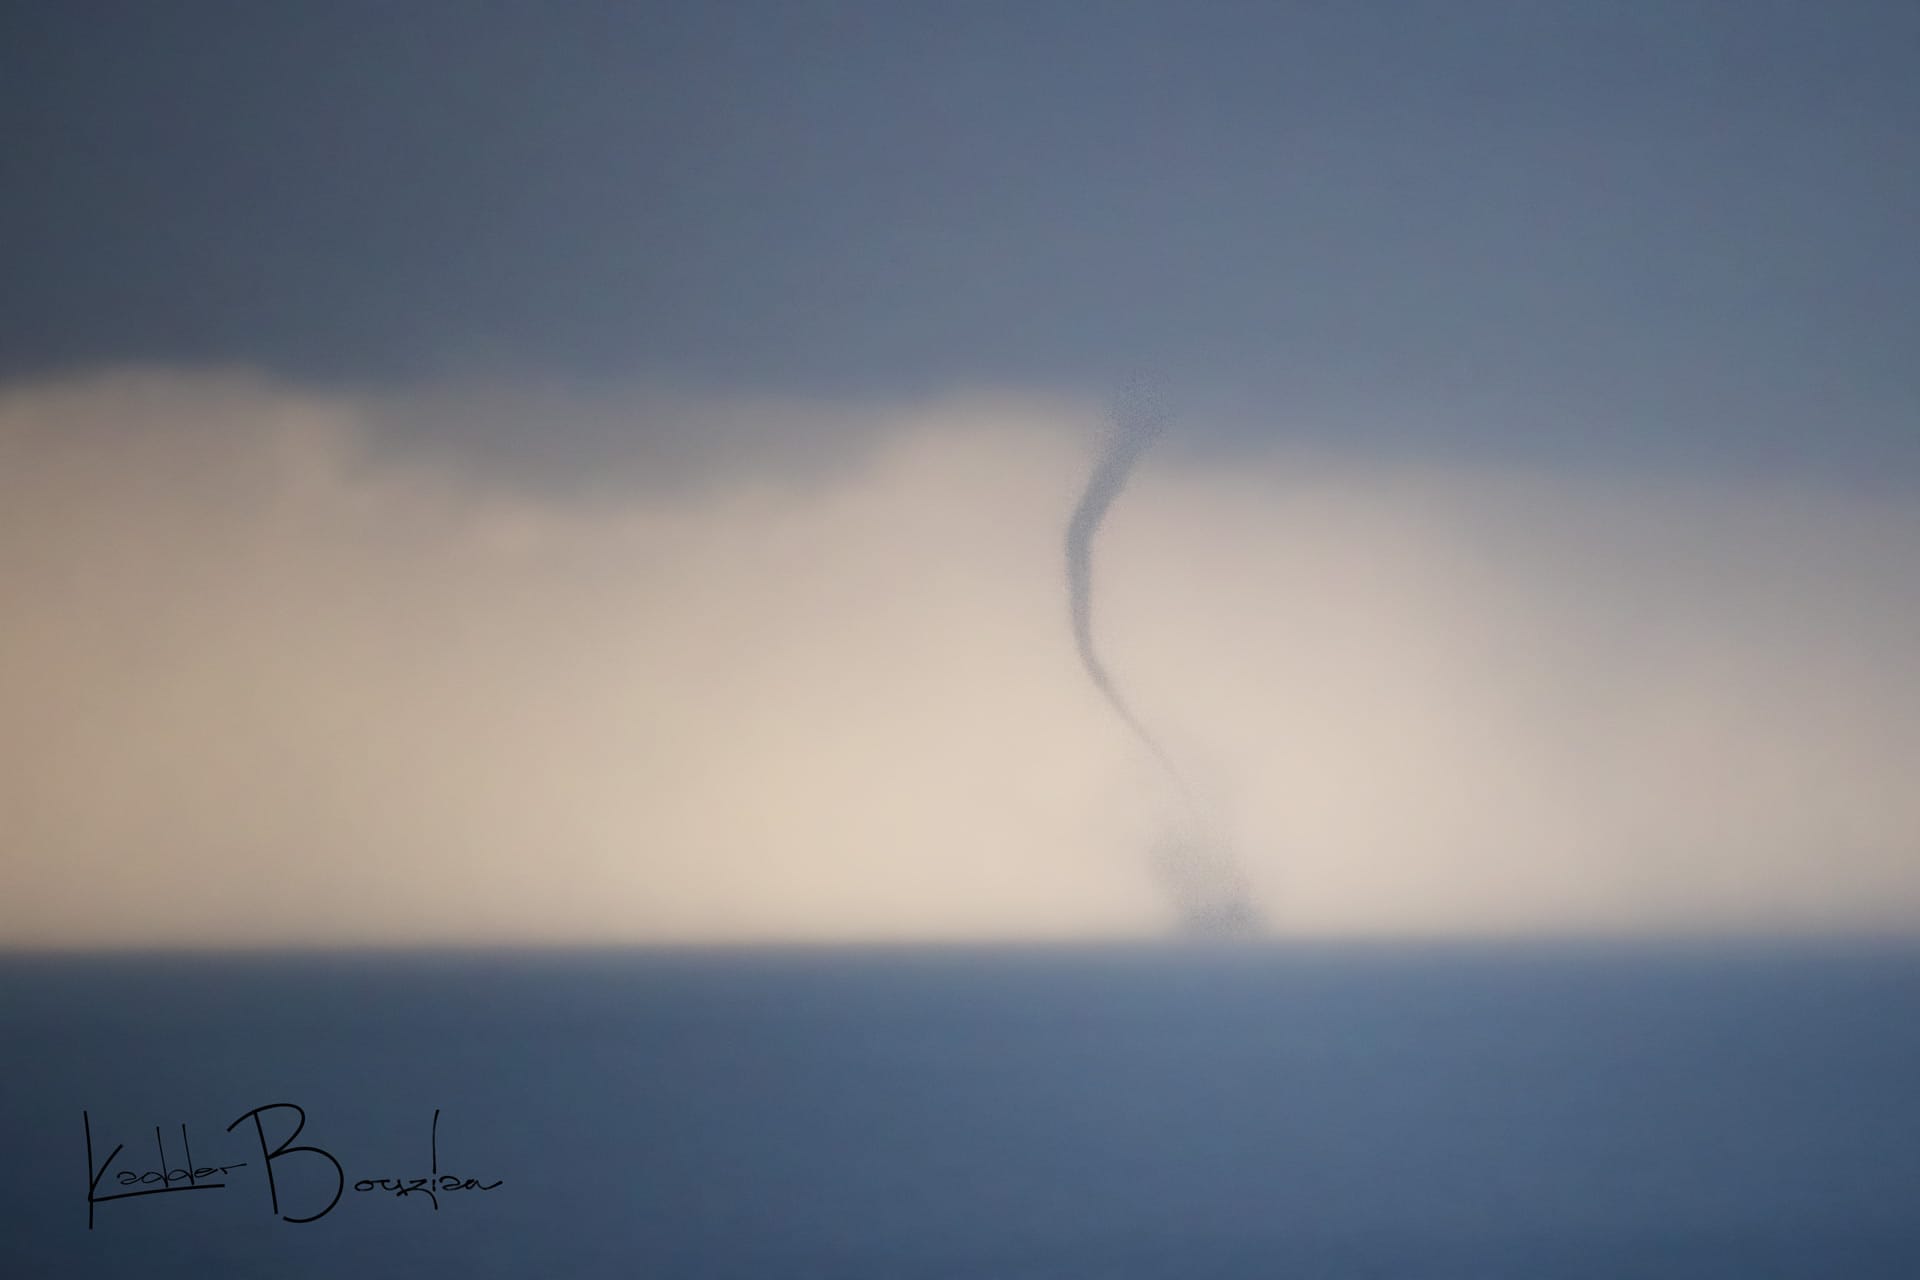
(1683, 1109)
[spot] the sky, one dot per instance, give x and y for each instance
(509, 472)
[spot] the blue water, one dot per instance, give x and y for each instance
(1725, 1111)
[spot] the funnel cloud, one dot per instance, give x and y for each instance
(1198, 873)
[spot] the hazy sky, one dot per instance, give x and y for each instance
(599, 471)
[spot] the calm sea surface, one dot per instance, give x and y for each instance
(1727, 1111)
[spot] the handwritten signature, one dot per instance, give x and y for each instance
(167, 1179)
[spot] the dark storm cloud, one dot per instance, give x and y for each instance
(1678, 231)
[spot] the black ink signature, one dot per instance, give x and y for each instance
(192, 1177)
(164, 1176)
(447, 1182)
